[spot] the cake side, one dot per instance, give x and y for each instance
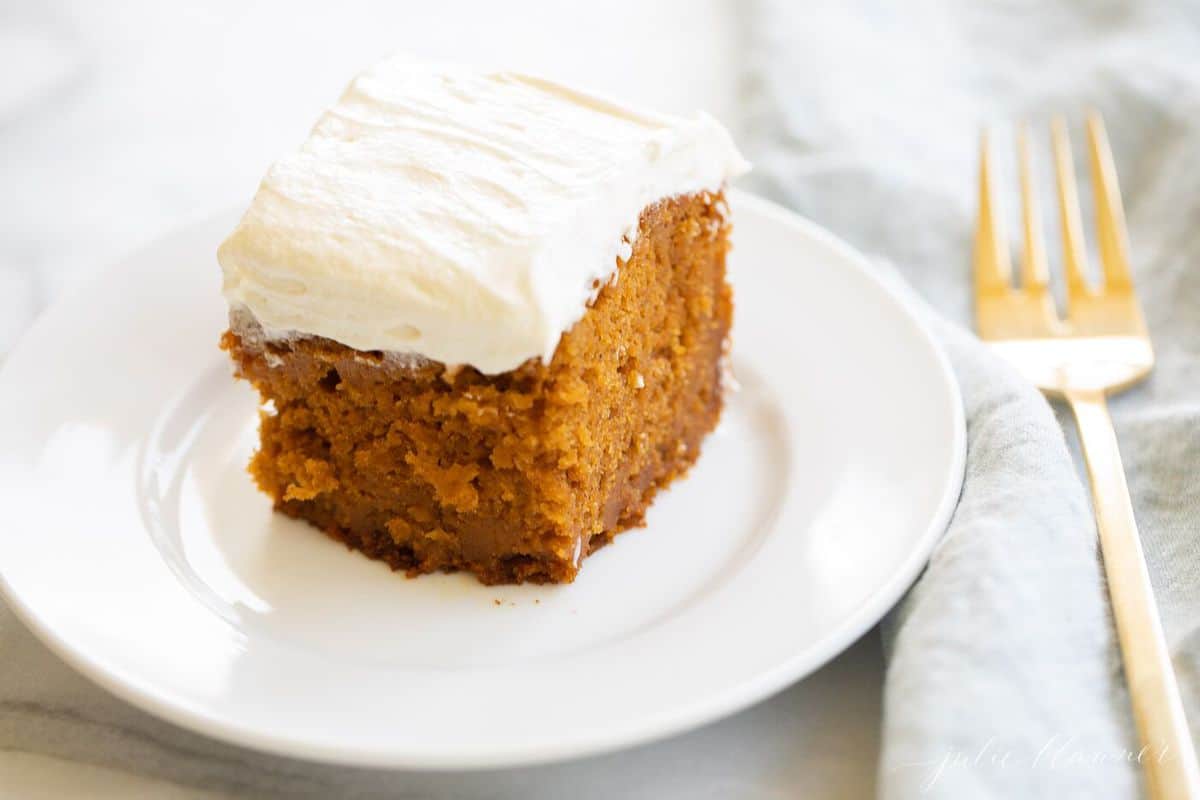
(515, 476)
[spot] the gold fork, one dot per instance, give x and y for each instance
(1102, 346)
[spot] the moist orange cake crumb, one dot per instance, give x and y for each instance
(516, 476)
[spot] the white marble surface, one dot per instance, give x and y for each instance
(118, 121)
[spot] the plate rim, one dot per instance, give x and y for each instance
(685, 717)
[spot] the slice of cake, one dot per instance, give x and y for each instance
(487, 316)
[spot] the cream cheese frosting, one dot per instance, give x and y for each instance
(463, 215)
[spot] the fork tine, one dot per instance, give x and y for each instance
(1035, 276)
(1068, 206)
(1110, 216)
(992, 266)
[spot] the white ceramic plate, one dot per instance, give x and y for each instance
(135, 546)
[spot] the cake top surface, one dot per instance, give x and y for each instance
(462, 215)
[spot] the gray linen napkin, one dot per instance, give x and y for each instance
(1003, 679)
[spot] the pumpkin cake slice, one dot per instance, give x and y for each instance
(487, 316)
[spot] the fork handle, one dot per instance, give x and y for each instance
(1169, 757)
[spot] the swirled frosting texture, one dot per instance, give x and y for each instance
(461, 215)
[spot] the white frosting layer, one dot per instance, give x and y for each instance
(461, 215)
